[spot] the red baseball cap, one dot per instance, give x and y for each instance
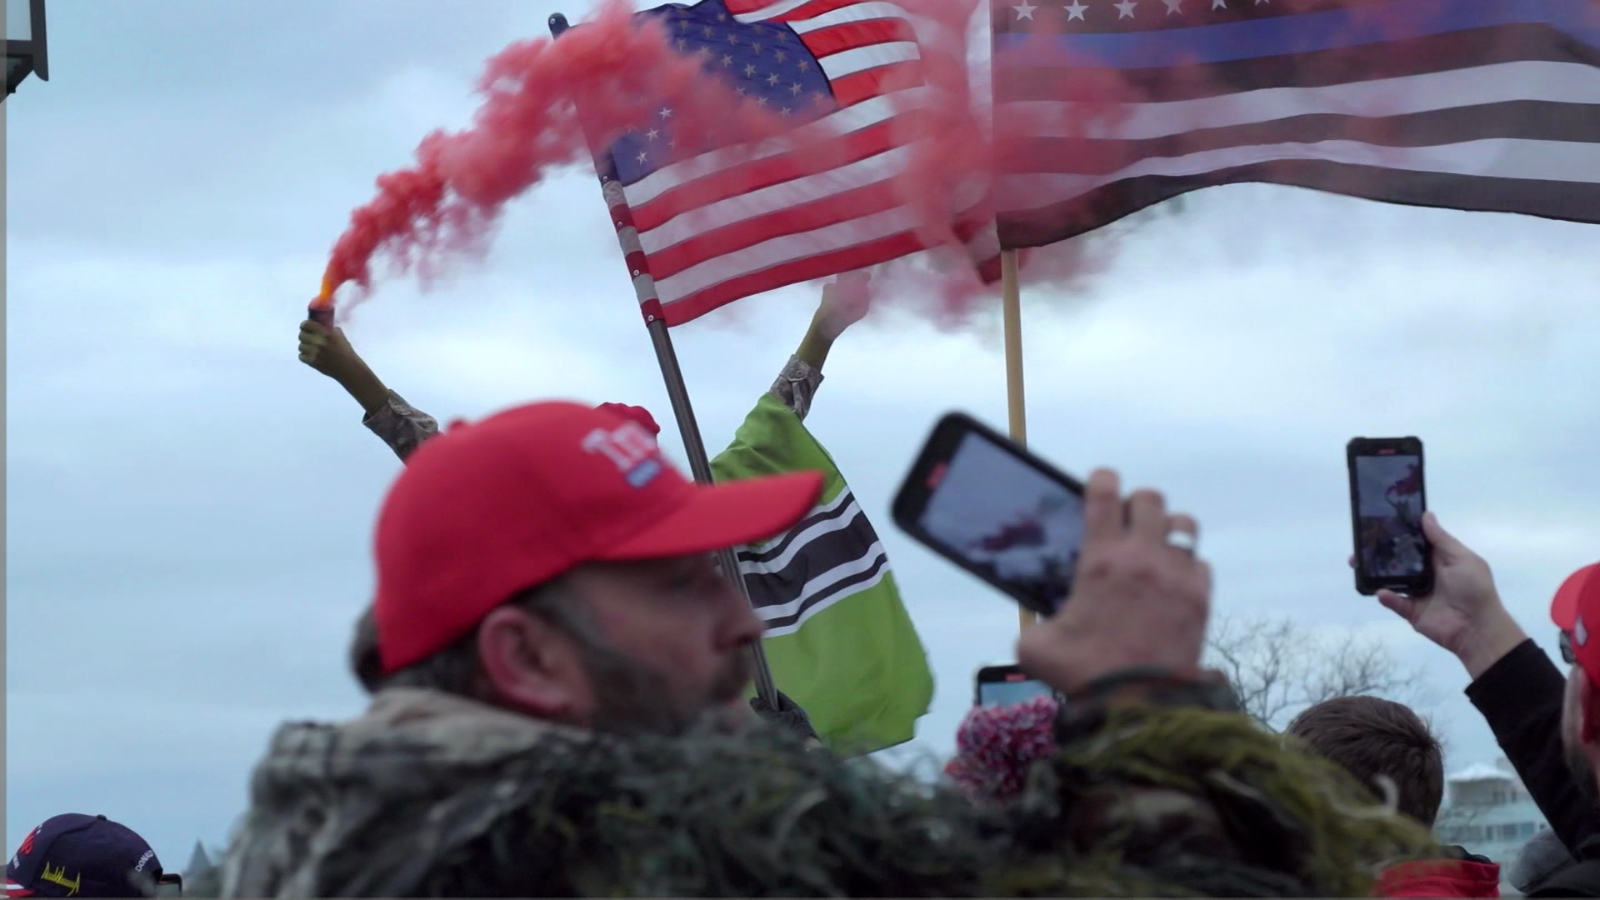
(637, 413)
(488, 510)
(1576, 611)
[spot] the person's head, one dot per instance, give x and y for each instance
(1372, 738)
(366, 663)
(550, 560)
(1576, 611)
(75, 855)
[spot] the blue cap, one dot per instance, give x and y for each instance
(75, 855)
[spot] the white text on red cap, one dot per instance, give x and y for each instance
(631, 448)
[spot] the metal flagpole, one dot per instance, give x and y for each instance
(1011, 306)
(677, 392)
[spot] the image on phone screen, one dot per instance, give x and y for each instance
(1389, 540)
(1010, 693)
(1006, 519)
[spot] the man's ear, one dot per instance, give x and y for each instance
(532, 666)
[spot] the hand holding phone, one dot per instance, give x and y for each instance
(1011, 519)
(1140, 599)
(1388, 495)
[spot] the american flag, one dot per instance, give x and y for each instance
(1489, 105)
(695, 233)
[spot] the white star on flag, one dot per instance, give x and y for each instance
(1125, 8)
(1025, 10)
(1172, 6)
(1219, 4)
(1075, 11)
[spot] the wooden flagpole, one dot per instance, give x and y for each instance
(1016, 401)
(677, 391)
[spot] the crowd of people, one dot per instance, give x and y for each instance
(558, 675)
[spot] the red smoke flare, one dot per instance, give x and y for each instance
(620, 70)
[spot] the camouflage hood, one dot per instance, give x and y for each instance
(429, 795)
(413, 777)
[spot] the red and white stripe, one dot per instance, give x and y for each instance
(715, 228)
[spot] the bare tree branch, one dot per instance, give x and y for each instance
(1279, 668)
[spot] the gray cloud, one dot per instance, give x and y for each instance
(189, 509)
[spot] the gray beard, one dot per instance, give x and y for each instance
(631, 698)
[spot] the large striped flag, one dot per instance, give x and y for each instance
(839, 639)
(1490, 105)
(701, 230)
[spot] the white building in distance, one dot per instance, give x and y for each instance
(1488, 811)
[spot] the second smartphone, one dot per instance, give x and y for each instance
(1006, 686)
(1388, 496)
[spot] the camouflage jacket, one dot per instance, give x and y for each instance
(432, 795)
(404, 427)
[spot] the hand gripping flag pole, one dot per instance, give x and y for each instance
(677, 391)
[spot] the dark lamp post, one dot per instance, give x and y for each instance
(26, 49)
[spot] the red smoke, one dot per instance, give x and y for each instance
(448, 201)
(621, 72)
(959, 141)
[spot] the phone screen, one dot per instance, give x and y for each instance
(1389, 498)
(1010, 693)
(1009, 521)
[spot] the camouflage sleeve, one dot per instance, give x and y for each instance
(1200, 799)
(400, 425)
(796, 385)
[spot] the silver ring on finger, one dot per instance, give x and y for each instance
(1186, 541)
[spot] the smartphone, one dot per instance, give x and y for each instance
(1388, 496)
(986, 504)
(1006, 686)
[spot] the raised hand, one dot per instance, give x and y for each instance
(328, 351)
(1463, 613)
(845, 301)
(1139, 598)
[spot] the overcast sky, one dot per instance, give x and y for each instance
(189, 507)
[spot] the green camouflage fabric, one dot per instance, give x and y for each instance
(429, 795)
(796, 385)
(400, 425)
(403, 427)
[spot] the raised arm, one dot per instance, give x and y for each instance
(845, 302)
(1514, 684)
(387, 414)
